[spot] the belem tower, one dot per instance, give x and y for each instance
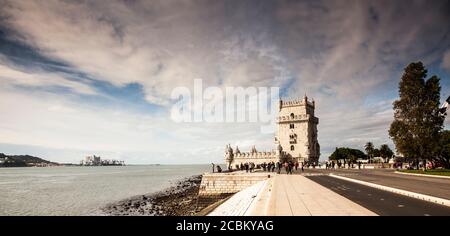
(295, 140)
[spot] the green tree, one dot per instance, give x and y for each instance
(336, 155)
(348, 154)
(369, 149)
(376, 152)
(417, 120)
(386, 152)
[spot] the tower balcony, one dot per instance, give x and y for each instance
(297, 118)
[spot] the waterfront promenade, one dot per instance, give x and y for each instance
(315, 193)
(289, 195)
(295, 195)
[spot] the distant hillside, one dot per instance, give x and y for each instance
(22, 161)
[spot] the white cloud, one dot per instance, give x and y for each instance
(446, 61)
(53, 122)
(343, 54)
(120, 43)
(40, 79)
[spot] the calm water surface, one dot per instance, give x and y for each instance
(82, 190)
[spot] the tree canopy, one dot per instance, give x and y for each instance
(347, 154)
(386, 152)
(369, 148)
(417, 120)
(444, 152)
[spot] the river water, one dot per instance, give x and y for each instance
(82, 190)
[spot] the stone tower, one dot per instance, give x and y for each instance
(297, 130)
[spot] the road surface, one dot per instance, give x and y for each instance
(436, 187)
(381, 202)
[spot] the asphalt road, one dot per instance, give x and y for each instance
(381, 202)
(437, 187)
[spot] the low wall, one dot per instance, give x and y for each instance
(216, 186)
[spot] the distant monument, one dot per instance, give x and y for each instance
(296, 138)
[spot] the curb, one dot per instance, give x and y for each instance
(251, 207)
(264, 195)
(420, 196)
(422, 175)
(245, 208)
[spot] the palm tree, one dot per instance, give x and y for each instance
(369, 149)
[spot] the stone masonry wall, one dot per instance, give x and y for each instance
(221, 185)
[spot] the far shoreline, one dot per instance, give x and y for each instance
(78, 165)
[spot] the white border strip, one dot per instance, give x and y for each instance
(422, 175)
(424, 197)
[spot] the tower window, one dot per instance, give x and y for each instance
(292, 115)
(292, 147)
(291, 126)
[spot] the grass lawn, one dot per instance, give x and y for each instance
(445, 172)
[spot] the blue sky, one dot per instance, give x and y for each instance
(95, 77)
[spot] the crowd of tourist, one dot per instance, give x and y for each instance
(288, 166)
(333, 165)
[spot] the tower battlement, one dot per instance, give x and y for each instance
(298, 102)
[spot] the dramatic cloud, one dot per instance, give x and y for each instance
(122, 59)
(40, 79)
(158, 45)
(446, 61)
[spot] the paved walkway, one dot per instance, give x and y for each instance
(289, 195)
(295, 195)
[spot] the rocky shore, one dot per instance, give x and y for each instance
(178, 200)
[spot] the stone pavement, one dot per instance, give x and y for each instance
(289, 195)
(295, 195)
